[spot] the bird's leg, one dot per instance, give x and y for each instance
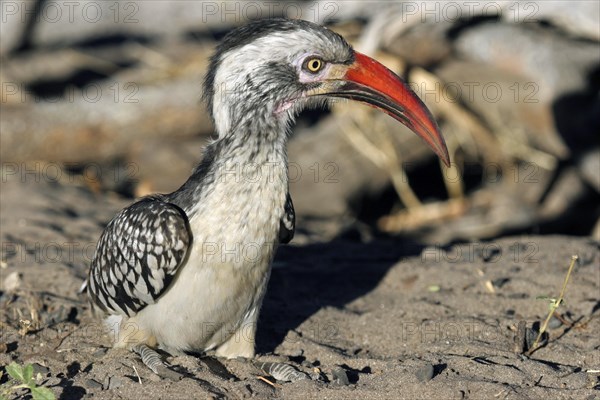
(240, 347)
(242, 342)
(152, 360)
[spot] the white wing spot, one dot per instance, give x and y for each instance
(152, 262)
(159, 238)
(142, 292)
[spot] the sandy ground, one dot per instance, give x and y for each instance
(379, 320)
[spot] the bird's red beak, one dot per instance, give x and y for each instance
(368, 81)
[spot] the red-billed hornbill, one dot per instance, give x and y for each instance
(187, 271)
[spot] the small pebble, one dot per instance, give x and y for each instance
(12, 282)
(100, 352)
(532, 334)
(217, 368)
(518, 296)
(93, 384)
(500, 282)
(490, 255)
(554, 323)
(53, 381)
(340, 377)
(425, 373)
(40, 369)
(114, 382)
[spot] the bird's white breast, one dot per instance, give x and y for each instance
(235, 233)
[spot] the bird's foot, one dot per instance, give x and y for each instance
(152, 360)
(281, 371)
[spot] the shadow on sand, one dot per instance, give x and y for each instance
(308, 278)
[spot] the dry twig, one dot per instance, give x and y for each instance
(554, 304)
(262, 378)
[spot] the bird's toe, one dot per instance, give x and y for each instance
(153, 361)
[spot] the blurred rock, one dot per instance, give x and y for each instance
(524, 49)
(12, 282)
(15, 23)
(166, 170)
(88, 20)
(423, 44)
(102, 120)
(326, 172)
(339, 376)
(589, 168)
(565, 193)
(508, 103)
(579, 18)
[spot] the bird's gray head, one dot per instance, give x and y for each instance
(264, 72)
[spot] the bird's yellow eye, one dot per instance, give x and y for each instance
(313, 65)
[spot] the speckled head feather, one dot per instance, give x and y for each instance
(336, 46)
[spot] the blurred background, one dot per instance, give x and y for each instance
(106, 95)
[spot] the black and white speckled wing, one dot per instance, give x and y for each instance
(138, 255)
(287, 225)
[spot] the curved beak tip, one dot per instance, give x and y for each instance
(370, 82)
(439, 147)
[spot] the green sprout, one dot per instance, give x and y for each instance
(22, 378)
